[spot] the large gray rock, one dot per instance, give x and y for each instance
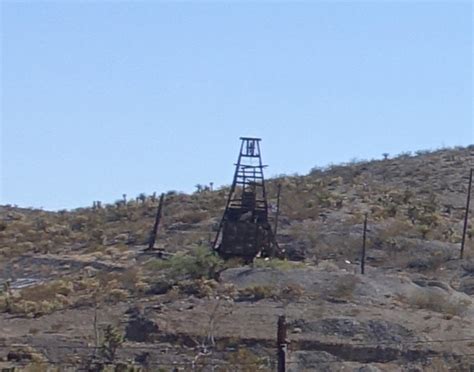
(373, 329)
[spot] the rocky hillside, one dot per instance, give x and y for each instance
(79, 291)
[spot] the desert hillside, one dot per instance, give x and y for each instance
(79, 291)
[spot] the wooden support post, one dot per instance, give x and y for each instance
(96, 328)
(281, 343)
(154, 232)
(364, 239)
(466, 215)
(277, 215)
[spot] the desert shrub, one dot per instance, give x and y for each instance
(79, 223)
(424, 230)
(201, 263)
(193, 216)
(345, 246)
(47, 291)
(328, 266)
(159, 287)
(395, 228)
(33, 308)
(6, 252)
(24, 247)
(26, 354)
(244, 360)
(291, 292)
(86, 284)
(227, 291)
(256, 293)
(48, 297)
(4, 303)
(428, 262)
(95, 248)
(344, 287)
(117, 295)
(132, 280)
(198, 287)
(437, 302)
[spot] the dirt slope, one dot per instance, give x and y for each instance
(80, 292)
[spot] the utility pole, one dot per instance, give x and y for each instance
(281, 344)
(364, 239)
(154, 232)
(277, 215)
(466, 215)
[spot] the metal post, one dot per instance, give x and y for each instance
(277, 214)
(281, 343)
(364, 239)
(466, 215)
(154, 232)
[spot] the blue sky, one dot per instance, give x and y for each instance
(104, 98)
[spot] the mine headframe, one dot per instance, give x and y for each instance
(244, 230)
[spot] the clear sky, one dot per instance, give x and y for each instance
(101, 98)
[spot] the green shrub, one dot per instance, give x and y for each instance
(201, 263)
(112, 341)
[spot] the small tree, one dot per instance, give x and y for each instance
(112, 341)
(142, 197)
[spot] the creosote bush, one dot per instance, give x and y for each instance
(201, 263)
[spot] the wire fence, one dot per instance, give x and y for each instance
(265, 363)
(224, 365)
(375, 343)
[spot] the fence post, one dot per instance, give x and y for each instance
(281, 343)
(154, 232)
(466, 215)
(364, 239)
